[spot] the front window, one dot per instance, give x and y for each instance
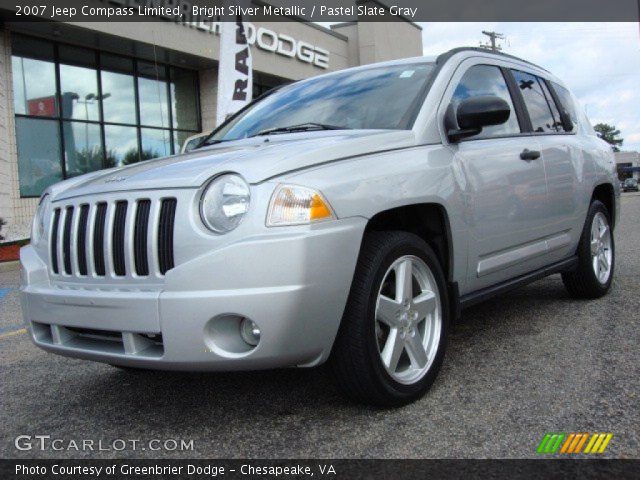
(374, 98)
(483, 80)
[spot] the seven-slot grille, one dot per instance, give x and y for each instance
(113, 239)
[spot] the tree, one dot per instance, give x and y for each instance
(609, 134)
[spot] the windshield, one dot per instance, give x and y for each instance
(375, 98)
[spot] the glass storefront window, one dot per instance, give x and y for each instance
(153, 103)
(34, 87)
(80, 97)
(152, 88)
(82, 148)
(121, 145)
(155, 143)
(120, 104)
(100, 97)
(38, 161)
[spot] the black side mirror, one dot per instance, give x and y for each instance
(477, 112)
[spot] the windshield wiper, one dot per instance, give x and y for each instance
(303, 127)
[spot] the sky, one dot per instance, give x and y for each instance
(599, 62)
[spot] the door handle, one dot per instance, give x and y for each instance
(529, 154)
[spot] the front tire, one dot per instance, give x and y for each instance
(596, 256)
(392, 339)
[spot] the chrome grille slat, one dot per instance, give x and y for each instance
(129, 226)
(108, 240)
(111, 239)
(91, 218)
(152, 243)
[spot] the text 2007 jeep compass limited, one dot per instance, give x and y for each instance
(348, 217)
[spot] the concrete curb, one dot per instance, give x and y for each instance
(9, 266)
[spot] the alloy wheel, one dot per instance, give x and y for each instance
(601, 253)
(408, 319)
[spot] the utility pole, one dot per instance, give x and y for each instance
(493, 36)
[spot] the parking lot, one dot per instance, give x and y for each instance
(526, 363)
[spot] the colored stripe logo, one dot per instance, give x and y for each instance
(568, 443)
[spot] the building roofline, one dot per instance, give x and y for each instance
(323, 29)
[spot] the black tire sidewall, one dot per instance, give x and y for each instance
(407, 244)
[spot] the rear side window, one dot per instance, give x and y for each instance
(557, 119)
(482, 80)
(566, 103)
(538, 103)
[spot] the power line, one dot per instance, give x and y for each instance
(492, 45)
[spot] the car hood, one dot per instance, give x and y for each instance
(256, 159)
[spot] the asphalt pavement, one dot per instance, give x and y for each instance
(528, 362)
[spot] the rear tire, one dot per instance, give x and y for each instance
(596, 256)
(392, 339)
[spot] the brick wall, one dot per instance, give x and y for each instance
(16, 211)
(6, 206)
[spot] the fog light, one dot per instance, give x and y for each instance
(250, 332)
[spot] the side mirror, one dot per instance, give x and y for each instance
(475, 113)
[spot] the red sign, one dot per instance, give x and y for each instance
(42, 107)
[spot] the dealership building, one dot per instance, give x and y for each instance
(628, 164)
(79, 97)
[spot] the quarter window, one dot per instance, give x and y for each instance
(566, 103)
(537, 103)
(482, 80)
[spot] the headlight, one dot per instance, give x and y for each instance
(295, 205)
(224, 203)
(38, 229)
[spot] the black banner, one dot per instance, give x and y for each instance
(195, 11)
(319, 469)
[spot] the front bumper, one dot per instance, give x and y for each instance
(292, 282)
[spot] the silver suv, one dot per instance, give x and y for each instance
(348, 217)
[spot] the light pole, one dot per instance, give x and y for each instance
(89, 99)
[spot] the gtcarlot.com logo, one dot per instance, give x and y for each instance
(569, 443)
(46, 442)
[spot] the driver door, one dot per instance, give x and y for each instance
(506, 190)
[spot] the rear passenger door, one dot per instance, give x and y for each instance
(562, 158)
(506, 193)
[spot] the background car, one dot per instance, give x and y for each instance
(630, 185)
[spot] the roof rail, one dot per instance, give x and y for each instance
(447, 55)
